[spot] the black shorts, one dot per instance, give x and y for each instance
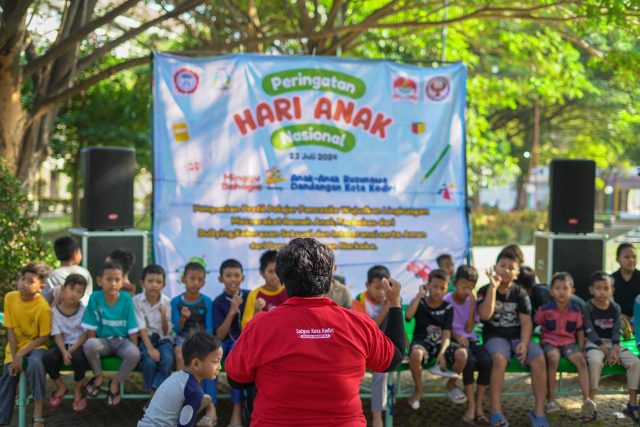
(431, 350)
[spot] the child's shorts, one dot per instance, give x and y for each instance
(431, 350)
(507, 348)
(179, 340)
(565, 350)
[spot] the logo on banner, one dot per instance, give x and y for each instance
(404, 89)
(181, 132)
(420, 269)
(186, 81)
(248, 183)
(445, 191)
(438, 88)
(221, 79)
(274, 176)
(418, 128)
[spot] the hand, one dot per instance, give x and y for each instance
(154, 354)
(185, 313)
(422, 291)
(463, 341)
(259, 304)
(471, 294)
(614, 356)
(494, 278)
(66, 357)
(236, 302)
(163, 310)
(16, 366)
(392, 288)
(441, 361)
(521, 352)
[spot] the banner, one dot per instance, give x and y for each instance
(251, 151)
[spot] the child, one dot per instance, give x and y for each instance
(68, 334)
(626, 281)
(190, 313)
(69, 254)
(505, 311)
(373, 303)
(561, 326)
(432, 336)
(226, 322)
(177, 400)
(27, 317)
(463, 301)
(446, 264)
(539, 294)
(127, 259)
(153, 314)
(339, 293)
(268, 296)
(112, 329)
(602, 328)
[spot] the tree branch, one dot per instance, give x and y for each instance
(13, 18)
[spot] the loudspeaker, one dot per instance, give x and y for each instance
(96, 245)
(578, 254)
(107, 200)
(572, 196)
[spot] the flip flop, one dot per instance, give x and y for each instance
(482, 420)
(456, 396)
(55, 401)
(632, 410)
(468, 421)
(498, 420)
(92, 389)
(112, 397)
(538, 421)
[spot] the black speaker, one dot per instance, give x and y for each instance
(96, 245)
(572, 197)
(579, 255)
(107, 200)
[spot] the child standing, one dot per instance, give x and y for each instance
(268, 296)
(602, 328)
(190, 313)
(432, 336)
(69, 254)
(505, 311)
(446, 264)
(153, 314)
(465, 317)
(226, 322)
(561, 327)
(112, 329)
(27, 317)
(177, 400)
(373, 303)
(68, 334)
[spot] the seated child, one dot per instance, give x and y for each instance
(432, 336)
(602, 328)
(463, 301)
(268, 296)
(227, 308)
(127, 259)
(68, 334)
(446, 264)
(505, 311)
(69, 254)
(177, 400)
(539, 294)
(561, 326)
(153, 314)
(190, 313)
(339, 293)
(27, 317)
(626, 283)
(373, 303)
(112, 329)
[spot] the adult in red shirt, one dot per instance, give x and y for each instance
(308, 355)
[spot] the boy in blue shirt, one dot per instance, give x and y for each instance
(177, 400)
(191, 313)
(112, 329)
(227, 317)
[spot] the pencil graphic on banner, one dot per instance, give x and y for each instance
(180, 132)
(435, 165)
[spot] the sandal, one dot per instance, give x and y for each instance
(468, 421)
(588, 411)
(207, 421)
(632, 411)
(482, 420)
(113, 399)
(55, 400)
(498, 420)
(92, 389)
(80, 405)
(39, 420)
(538, 421)
(456, 396)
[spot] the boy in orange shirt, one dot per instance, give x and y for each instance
(268, 296)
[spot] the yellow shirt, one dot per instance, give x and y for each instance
(29, 320)
(272, 299)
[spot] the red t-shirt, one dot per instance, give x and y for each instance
(307, 357)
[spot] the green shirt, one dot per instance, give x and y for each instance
(118, 320)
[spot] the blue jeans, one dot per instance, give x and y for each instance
(154, 373)
(237, 395)
(36, 378)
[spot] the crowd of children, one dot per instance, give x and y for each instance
(56, 318)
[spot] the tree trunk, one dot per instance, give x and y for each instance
(528, 166)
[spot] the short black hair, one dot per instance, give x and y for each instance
(194, 266)
(40, 269)
(378, 272)
(199, 346)
(598, 276)
(438, 274)
(75, 279)
(125, 257)
(562, 276)
(153, 269)
(467, 272)
(267, 258)
(512, 252)
(110, 265)
(526, 277)
(443, 257)
(622, 247)
(65, 247)
(230, 263)
(305, 267)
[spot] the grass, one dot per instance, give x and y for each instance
(55, 226)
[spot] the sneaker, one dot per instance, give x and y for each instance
(588, 411)
(437, 370)
(551, 407)
(415, 404)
